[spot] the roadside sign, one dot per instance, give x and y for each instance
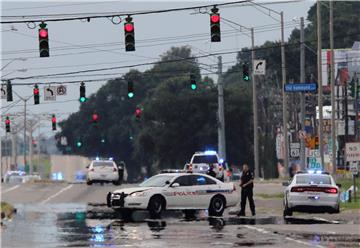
(3, 91)
(299, 87)
(352, 151)
(314, 160)
(354, 168)
(63, 141)
(61, 90)
(259, 66)
(294, 150)
(50, 93)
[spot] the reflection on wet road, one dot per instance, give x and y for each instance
(82, 225)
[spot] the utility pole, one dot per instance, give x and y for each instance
(221, 124)
(255, 113)
(320, 89)
(302, 96)
(284, 101)
(24, 133)
(332, 85)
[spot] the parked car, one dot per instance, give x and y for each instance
(311, 192)
(103, 171)
(175, 191)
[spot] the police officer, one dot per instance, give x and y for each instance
(247, 185)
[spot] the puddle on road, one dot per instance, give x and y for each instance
(95, 225)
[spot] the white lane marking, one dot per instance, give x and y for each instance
(58, 193)
(261, 230)
(10, 189)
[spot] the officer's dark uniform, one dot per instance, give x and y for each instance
(247, 192)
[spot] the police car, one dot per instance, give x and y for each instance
(202, 161)
(103, 170)
(175, 191)
(311, 192)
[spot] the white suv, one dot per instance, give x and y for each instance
(201, 161)
(103, 171)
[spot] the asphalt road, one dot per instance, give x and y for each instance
(75, 215)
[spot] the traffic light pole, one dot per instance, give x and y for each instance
(320, 89)
(302, 96)
(284, 101)
(255, 113)
(332, 85)
(221, 125)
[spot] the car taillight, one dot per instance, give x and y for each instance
(331, 190)
(297, 189)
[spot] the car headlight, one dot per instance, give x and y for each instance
(138, 194)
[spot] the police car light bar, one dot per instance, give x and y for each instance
(210, 152)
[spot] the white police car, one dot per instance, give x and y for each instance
(202, 161)
(311, 192)
(175, 191)
(100, 171)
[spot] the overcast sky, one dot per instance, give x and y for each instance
(81, 45)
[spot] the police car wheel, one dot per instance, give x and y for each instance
(156, 206)
(88, 182)
(217, 206)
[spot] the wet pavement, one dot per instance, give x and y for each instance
(94, 225)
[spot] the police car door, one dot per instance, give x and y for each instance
(204, 189)
(179, 193)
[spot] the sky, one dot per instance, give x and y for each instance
(81, 45)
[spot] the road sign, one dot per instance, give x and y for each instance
(300, 87)
(294, 150)
(50, 93)
(3, 91)
(259, 66)
(352, 151)
(354, 168)
(61, 90)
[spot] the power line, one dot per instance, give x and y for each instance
(88, 17)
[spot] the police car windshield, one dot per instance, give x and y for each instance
(157, 181)
(313, 179)
(103, 163)
(205, 159)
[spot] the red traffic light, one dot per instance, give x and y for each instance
(43, 33)
(36, 91)
(215, 18)
(7, 121)
(138, 112)
(53, 119)
(95, 117)
(129, 27)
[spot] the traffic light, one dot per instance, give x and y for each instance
(245, 69)
(215, 25)
(138, 112)
(7, 124)
(43, 40)
(9, 94)
(193, 82)
(130, 89)
(95, 118)
(82, 92)
(53, 121)
(129, 35)
(36, 94)
(79, 143)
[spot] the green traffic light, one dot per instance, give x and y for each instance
(246, 78)
(82, 99)
(78, 144)
(102, 140)
(130, 94)
(193, 87)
